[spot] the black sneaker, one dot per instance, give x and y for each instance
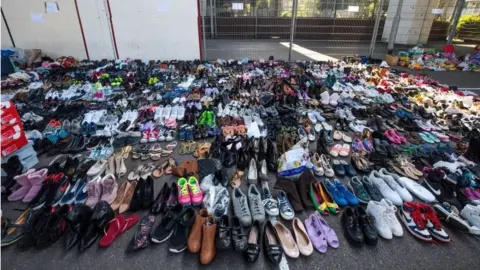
(366, 224)
(62, 186)
(56, 225)
(70, 167)
(371, 189)
(37, 224)
(351, 227)
(183, 223)
(166, 227)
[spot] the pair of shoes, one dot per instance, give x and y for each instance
(358, 227)
(322, 200)
(174, 226)
(422, 222)
(242, 209)
(339, 193)
(143, 194)
(320, 233)
(101, 189)
(189, 191)
(116, 227)
(124, 196)
(385, 220)
(278, 239)
(231, 235)
(75, 193)
(202, 236)
(30, 184)
(116, 166)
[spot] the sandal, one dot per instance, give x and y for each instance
(156, 152)
(172, 163)
(203, 150)
(186, 148)
(160, 170)
(236, 180)
(125, 151)
(171, 146)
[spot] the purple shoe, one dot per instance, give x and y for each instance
(25, 186)
(109, 188)
(330, 234)
(316, 234)
(36, 180)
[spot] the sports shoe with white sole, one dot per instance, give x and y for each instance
(450, 215)
(433, 224)
(385, 190)
(377, 211)
(412, 218)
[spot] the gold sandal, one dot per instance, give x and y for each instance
(236, 180)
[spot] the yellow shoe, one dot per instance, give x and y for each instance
(331, 204)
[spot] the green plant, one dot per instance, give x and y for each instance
(468, 27)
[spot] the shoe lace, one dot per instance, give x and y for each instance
(194, 189)
(430, 215)
(285, 205)
(108, 188)
(243, 207)
(389, 215)
(418, 219)
(256, 208)
(92, 192)
(184, 190)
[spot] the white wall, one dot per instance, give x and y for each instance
(141, 30)
(96, 27)
(58, 35)
(6, 41)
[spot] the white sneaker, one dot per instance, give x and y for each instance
(391, 218)
(166, 112)
(385, 190)
(158, 112)
(391, 180)
(349, 114)
(325, 98)
(334, 99)
(471, 214)
(416, 189)
(312, 117)
(340, 113)
(180, 113)
(220, 110)
(378, 211)
(174, 112)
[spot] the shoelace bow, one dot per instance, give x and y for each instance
(184, 190)
(194, 189)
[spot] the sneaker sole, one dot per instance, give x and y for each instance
(411, 231)
(443, 214)
(154, 240)
(176, 250)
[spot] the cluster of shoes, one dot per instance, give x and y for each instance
(373, 141)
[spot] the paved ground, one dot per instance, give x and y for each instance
(323, 50)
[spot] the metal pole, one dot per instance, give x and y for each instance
(292, 29)
(212, 33)
(255, 11)
(424, 19)
(378, 17)
(395, 23)
(458, 13)
(215, 12)
(203, 31)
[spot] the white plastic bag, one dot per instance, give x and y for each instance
(293, 162)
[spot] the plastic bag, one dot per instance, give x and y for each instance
(293, 162)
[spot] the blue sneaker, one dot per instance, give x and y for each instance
(72, 191)
(188, 134)
(349, 196)
(336, 195)
(82, 194)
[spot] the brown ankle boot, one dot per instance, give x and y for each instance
(194, 242)
(207, 254)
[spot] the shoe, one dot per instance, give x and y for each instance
(334, 193)
(366, 223)
(72, 192)
(194, 242)
(16, 232)
(184, 197)
(98, 168)
(384, 189)
(165, 229)
(159, 205)
(317, 200)
(63, 185)
(411, 217)
(316, 234)
(286, 240)
(331, 204)
(286, 209)
(224, 233)
(196, 193)
(433, 224)
(270, 205)
(208, 251)
(55, 226)
(252, 172)
(240, 207)
(273, 249)
(378, 211)
(239, 238)
(255, 203)
(349, 197)
(183, 223)
(356, 186)
(351, 228)
(416, 189)
(254, 237)
(392, 181)
(116, 227)
(109, 188)
(450, 215)
(79, 219)
(94, 188)
(471, 214)
(301, 236)
(221, 203)
(140, 238)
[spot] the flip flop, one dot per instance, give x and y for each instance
(116, 227)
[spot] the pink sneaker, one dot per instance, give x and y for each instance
(391, 137)
(109, 188)
(94, 190)
(470, 194)
(195, 193)
(25, 186)
(153, 135)
(36, 180)
(146, 136)
(183, 192)
(400, 138)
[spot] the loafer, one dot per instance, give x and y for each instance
(254, 237)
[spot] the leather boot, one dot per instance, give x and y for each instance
(194, 242)
(207, 254)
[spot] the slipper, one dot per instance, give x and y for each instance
(337, 135)
(160, 170)
(171, 164)
(135, 174)
(125, 151)
(346, 138)
(335, 150)
(116, 227)
(171, 146)
(345, 150)
(156, 152)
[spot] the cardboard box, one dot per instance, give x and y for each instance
(391, 60)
